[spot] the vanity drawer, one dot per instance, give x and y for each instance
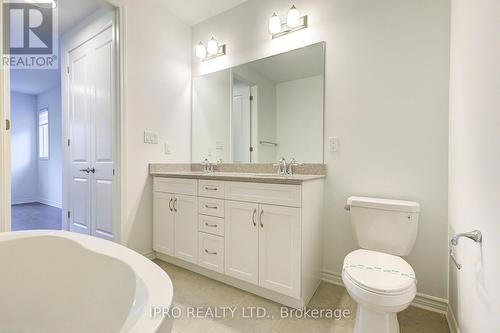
(212, 189)
(211, 206)
(211, 225)
(176, 185)
(272, 194)
(211, 252)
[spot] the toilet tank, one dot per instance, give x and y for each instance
(384, 225)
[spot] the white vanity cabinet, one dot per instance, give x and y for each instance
(175, 220)
(262, 237)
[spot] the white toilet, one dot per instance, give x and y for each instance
(376, 277)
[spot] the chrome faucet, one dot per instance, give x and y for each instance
(290, 165)
(207, 166)
(282, 167)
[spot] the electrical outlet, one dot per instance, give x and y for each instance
(333, 144)
(168, 148)
(219, 145)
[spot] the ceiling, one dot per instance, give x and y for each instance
(293, 65)
(72, 12)
(195, 11)
(36, 81)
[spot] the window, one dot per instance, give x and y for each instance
(43, 133)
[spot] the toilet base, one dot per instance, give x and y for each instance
(369, 321)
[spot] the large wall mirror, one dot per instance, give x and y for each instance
(261, 111)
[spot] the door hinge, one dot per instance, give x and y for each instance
(113, 172)
(67, 69)
(69, 214)
(69, 142)
(251, 97)
(7, 124)
(251, 149)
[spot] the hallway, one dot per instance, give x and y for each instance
(34, 216)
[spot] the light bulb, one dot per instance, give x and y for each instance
(274, 24)
(212, 46)
(293, 18)
(201, 52)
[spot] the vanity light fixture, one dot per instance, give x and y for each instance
(213, 50)
(294, 22)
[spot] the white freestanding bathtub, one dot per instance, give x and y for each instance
(57, 281)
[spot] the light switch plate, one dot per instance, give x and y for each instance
(150, 137)
(333, 144)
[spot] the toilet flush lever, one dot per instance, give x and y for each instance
(475, 235)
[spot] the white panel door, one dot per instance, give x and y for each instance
(92, 127)
(241, 241)
(163, 223)
(103, 134)
(80, 131)
(186, 227)
(280, 249)
(241, 125)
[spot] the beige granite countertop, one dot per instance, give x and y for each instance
(240, 177)
(255, 173)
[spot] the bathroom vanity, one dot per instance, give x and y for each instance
(258, 232)
(245, 224)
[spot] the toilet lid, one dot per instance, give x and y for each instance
(379, 272)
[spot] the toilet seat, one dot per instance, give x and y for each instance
(379, 273)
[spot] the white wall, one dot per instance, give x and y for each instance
(299, 109)
(24, 140)
(387, 76)
(158, 97)
(50, 171)
(474, 191)
(211, 116)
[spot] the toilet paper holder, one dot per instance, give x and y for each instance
(475, 235)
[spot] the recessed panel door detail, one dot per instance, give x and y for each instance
(186, 227)
(280, 249)
(241, 241)
(80, 154)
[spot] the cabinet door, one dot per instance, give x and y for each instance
(242, 241)
(280, 249)
(163, 223)
(186, 227)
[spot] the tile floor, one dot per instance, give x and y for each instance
(35, 216)
(194, 290)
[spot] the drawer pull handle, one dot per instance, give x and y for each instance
(175, 205)
(260, 219)
(211, 207)
(211, 188)
(211, 225)
(170, 204)
(209, 252)
(253, 217)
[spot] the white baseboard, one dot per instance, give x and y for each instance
(423, 301)
(452, 321)
(23, 201)
(150, 255)
(50, 203)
